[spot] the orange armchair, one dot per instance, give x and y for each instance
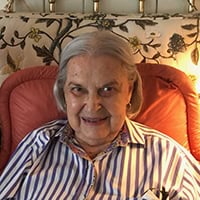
(170, 105)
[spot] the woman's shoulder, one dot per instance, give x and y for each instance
(153, 137)
(43, 134)
(147, 131)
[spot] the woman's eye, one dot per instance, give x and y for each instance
(77, 91)
(106, 91)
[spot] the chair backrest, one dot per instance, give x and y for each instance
(170, 105)
(26, 102)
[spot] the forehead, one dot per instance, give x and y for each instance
(102, 66)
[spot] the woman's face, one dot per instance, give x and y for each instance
(97, 91)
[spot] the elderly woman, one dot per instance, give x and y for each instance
(98, 152)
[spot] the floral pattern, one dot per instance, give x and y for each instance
(35, 34)
(37, 39)
(176, 44)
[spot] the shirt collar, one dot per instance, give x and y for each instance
(129, 133)
(135, 134)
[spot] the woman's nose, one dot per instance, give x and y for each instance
(93, 102)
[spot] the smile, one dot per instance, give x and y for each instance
(93, 121)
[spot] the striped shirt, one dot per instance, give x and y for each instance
(49, 164)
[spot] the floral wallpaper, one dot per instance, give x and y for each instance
(37, 39)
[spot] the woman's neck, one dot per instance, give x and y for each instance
(94, 149)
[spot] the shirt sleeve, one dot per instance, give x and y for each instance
(21, 161)
(191, 179)
(186, 177)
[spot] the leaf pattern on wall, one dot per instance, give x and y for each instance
(43, 36)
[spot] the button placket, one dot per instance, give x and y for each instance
(91, 180)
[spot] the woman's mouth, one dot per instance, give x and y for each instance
(93, 121)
